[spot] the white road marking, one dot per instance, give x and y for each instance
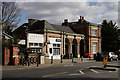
(93, 70)
(54, 74)
(21, 68)
(81, 72)
(74, 74)
(69, 65)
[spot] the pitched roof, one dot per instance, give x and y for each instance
(43, 24)
(6, 36)
(58, 27)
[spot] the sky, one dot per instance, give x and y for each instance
(56, 12)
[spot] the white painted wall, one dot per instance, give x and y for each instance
(35, 38)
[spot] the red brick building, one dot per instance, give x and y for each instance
(92, 34)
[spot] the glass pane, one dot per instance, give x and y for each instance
(30, 44)
(58, 45)
(35, 44)
(40, 44)
(54, 45)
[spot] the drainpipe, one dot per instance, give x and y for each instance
(46, 40)
(63, 42)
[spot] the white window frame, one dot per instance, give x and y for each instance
(94, 32)
(94, 47)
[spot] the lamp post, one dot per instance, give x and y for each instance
(26, 32)
(61, 58)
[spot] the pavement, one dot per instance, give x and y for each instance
(47, 64)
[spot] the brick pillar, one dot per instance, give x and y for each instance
(70, 48)
(63, 44)
(45, 45)
(78, 51)
(6, 56)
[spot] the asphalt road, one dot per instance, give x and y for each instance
(74, 70)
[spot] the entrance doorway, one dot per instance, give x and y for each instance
(67, 45)
(74, 48)
(81, 47)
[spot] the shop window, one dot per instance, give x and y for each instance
(40, 44)
(94, 32)
(94, 47)
(54, 45)
(58, 45)
(56, 51)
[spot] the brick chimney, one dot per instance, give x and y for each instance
(82, 19)
(66, 23)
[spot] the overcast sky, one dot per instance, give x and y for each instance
(56, 12)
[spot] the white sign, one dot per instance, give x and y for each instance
(55, 40)
(22, 42)
(35, 38)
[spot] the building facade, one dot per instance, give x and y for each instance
(78, 38)
(92, 34)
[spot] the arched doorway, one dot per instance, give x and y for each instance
(81, 47)
(67, 45)
(74, 48)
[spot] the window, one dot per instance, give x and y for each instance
(94, 32)
(30, 44)
(35, 44)
(54, 45)
(56, 51)
(94, 47)
(40, 44)
(58, 45)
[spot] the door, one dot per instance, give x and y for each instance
(56, 53)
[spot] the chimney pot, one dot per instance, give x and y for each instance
(80, 17)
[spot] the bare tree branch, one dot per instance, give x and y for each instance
(10, 15)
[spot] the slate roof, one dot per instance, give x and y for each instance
(83, 23)
(43, 24)
(55, 27)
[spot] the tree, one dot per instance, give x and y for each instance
(10, 16)
(110, 36)
(9, 20)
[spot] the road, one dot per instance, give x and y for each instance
(74, 70)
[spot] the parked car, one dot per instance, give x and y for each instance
(118, 53)
(109, 55)
(112, 55)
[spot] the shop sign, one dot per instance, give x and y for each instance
(58, 40)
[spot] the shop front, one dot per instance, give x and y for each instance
(35, 43)
(54, 48)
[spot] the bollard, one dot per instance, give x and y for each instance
(82, 58)
(72, 57)
(51, 59)
(61, 58)
(28, 62)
